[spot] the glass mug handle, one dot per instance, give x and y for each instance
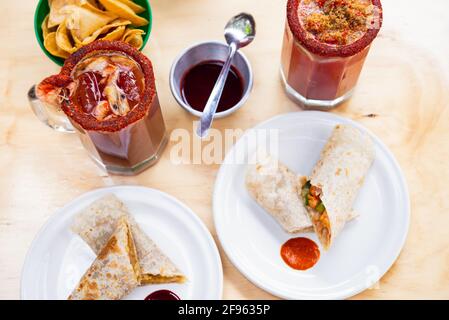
(53, 117)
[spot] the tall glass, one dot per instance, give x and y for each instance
(317, 75)
(125, 144)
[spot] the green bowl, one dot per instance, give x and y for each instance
(43, 9)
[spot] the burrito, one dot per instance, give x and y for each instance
(332, 187)
(115, 271)
(96, 224)
(276, 189)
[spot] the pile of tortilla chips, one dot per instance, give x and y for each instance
(72, 24)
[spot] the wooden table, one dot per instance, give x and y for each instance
(404, 83)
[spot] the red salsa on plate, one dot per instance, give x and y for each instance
(300, 253)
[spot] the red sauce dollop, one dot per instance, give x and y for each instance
(300, 253)
(162, 295)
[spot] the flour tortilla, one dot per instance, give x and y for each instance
(115, 271)
(277, 189)
(96, 224)
(340, 173)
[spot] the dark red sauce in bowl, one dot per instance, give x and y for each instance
(198, 82)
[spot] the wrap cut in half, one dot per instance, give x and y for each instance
(332, 187)
(115, 271)
(98, 221)
(276, 189)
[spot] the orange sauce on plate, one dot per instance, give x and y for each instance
(300, 253)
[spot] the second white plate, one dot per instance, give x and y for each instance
(58, 258)
(361, 254)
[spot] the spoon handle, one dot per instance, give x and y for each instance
(214, 98)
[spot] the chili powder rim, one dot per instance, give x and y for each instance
(322, 49)
(89, 122)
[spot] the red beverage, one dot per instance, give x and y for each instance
(325, 45)
(107, 91)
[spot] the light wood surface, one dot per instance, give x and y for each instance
(404, 83)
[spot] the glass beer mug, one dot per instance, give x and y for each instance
(106, 93)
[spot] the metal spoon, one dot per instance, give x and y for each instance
(239, 32)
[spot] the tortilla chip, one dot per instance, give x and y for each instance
(93, 3)
(115, 34)
(97, 222)
(56, 16)
(52, 47)
(106, 29)
(45, 29)
(93, 6)
(134, 40)
(63, 38)
(115, 271)
(132, 32)
(134, 37)
(123, 11)
(78, 43)
(133, 6)
(86, 19)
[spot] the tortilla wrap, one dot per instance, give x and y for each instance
(276, 189)
(115, 271)
(97, 222)
(338, 175)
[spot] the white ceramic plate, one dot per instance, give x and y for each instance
(58, 258)
(361, 254)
